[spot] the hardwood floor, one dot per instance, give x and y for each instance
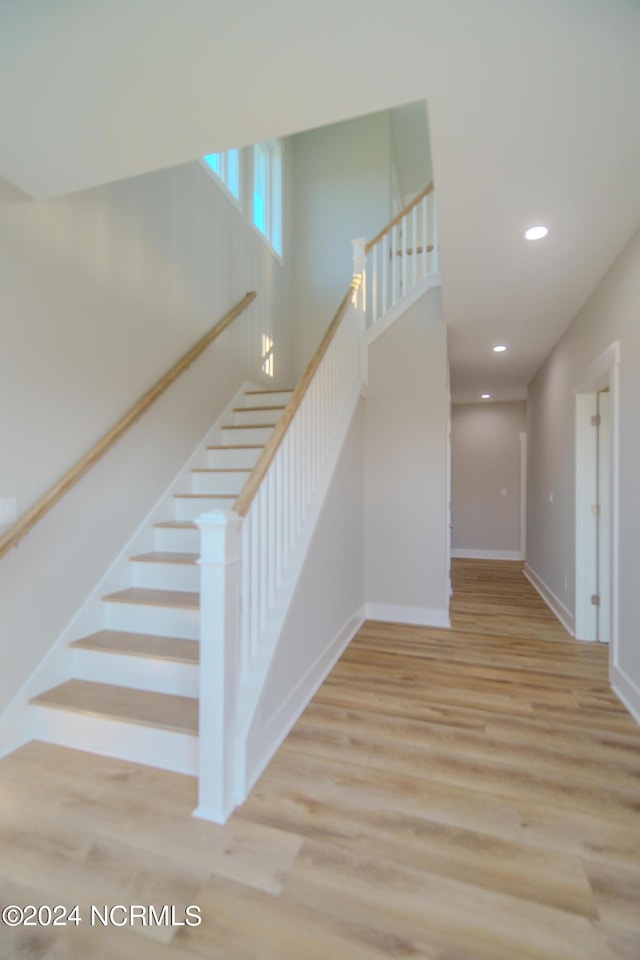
(470, 794)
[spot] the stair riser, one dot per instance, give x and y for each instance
(165, 749)
(189, 508)
(267, 399)
(145, 618)
(166, 576)
(256, 416)
(177, 541)
(142, 673)
(238, 435)
(232, 458)
(231, 483)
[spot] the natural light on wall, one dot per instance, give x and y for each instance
(267, 355)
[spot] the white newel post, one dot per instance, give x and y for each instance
(219, 638)
(360, 266)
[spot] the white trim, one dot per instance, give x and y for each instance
(603, 371)
(463, 553)
(556, 606)
(398, 309)
(396, 613)
(277, 727)
(626, 690)
(523, 495)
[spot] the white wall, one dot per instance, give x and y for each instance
(101, 292)
(611, 313)
(405, 473)
(325, 612)
(485, 459)
(342, 189)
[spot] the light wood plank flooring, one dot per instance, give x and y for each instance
(470, 794)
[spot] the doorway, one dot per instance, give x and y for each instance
(596, 501)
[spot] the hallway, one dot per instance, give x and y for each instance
(494, 596)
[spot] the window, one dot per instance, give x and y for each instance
(226, 166)
(267, 355)
(267, 191)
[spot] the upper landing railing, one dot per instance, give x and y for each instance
(399, 257)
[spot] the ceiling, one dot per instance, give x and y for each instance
(534, 112)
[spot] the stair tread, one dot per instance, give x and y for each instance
(279, 406)
(255, 393)
(204, 496)
(166, 556)
(247, 426)
(144, 707)
(140, 645)
(176, 524)
(237, 446)
(160, 598)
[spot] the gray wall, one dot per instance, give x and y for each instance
(611, 313)
(485, 459)
(405, 472)
(341, 186)
(100, 293)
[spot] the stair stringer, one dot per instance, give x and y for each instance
(21, 722)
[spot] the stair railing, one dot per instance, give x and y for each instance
(399, 257)
(55, 493)
(251, 555)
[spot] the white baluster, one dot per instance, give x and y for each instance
(425, 216)
(385, 270)
(414, 246)
(403, 242)
(435, 258)
(394, 265)
(374, 284)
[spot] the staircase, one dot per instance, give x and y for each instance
(134, 687)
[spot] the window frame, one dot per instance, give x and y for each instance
(266, 197)
(229, 174)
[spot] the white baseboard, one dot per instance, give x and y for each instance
(396, 613)
(627, 691)
(462, 553)
(274, 731)
(557, 607)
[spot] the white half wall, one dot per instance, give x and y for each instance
(611, 313)
(485, 479)
(405, 468)
(325, 613)
(101, 292)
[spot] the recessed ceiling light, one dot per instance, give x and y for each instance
(486, 396)
(500, 348)
(536, 233)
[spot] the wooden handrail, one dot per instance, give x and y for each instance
(398, 217)
(244, 500)
(69, 480)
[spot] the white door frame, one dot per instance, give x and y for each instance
(603, 372)
(523, 495)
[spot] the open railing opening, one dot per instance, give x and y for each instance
(399, 257)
